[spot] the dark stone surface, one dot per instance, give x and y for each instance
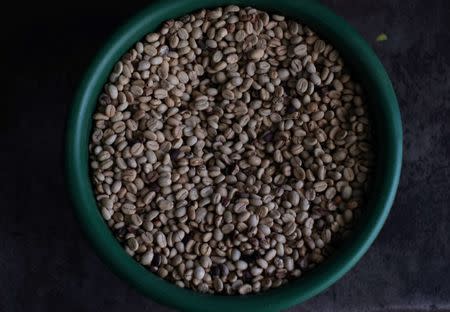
(45, 263)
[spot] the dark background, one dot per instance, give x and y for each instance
(47, 265)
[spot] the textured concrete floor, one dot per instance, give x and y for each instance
(46, 265)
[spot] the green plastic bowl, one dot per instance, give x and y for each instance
(385, 115)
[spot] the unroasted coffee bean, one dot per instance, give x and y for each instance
(231, 150)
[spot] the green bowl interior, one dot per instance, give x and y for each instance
(385, 116)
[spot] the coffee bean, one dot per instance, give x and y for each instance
(230, 149)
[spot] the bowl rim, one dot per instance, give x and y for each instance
(107, 247)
